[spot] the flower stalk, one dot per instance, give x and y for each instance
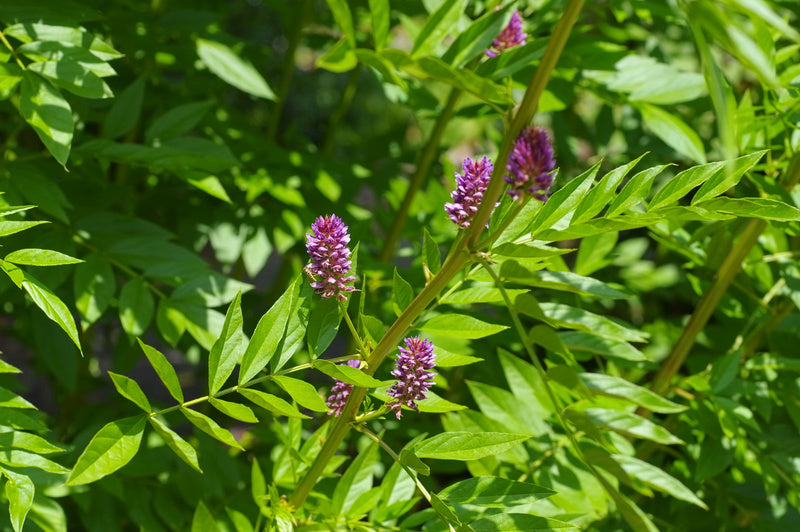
(456, 259)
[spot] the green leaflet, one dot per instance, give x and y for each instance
(111, 448)
(467, 445)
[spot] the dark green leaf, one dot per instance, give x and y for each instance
(323, 325)
(177, 121)
(95, 285)
(402, 293)
(124, 113)
(657, 479)
(494, 492)
(111, 448)
(267, 336)
(136, 306)
(164, 370)
(619, 387)
(626, 423)
(53, 307)
(514, 522)
(203, 520)
(431, 256)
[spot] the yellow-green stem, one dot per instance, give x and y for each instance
(11, 49)
(719, 285)
(456, 259)
(524, 115)
(344, 104)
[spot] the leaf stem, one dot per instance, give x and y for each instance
(456, 259)
(11, 49)
(344, 104)
(353, 331)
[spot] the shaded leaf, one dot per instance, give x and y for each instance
(232, 69)
(180, 446)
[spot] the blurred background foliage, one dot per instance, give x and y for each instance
(178, 188)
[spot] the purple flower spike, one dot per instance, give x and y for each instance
(469, 191)
(509, 37)
(531, 164)
(340, 393)
(413, 379)
(330, 257)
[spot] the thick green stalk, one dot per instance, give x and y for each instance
(456, 259)
(426, 158)
(524, 115)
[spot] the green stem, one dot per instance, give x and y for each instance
(456, 259)
(719, 285)
(426, 159)
(526, 342)
(353, 331)
(524, 114)
(287, 69)
(341, 109)
(11, 49)
(247, 384)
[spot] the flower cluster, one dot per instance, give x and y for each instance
(509, 37)
(340, 392)
(330, 257)
(531, 164)
(411, 372)
(468, 194)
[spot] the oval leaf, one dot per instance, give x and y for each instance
(111, 448)
(210, 427)
(129, 389)
(302, 392)
(460, 326)
(232, 69)
(467, 445)
(181, 447)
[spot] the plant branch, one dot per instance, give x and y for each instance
(456, 259)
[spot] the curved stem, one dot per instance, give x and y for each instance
(344, 104)
(524, 114)
(353, 331)
(287, 69)
(456, 259)
(426, 158)
(11, 49)
(719, 285)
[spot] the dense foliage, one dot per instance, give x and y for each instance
(238, 294)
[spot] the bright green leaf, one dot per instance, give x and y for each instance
(232, 69)
(48, 113)
(111, 448)
(467, 445)
(129, 389)
(180, 446)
